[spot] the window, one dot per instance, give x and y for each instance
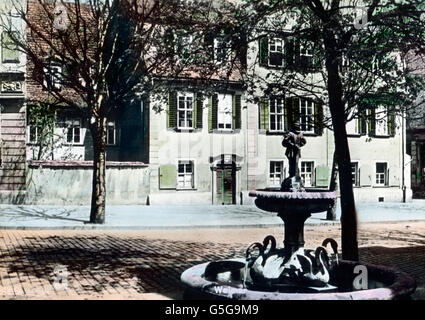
(185, 175)
(276, 173)
(277, 115)
(9, 50)
(306, 115)
(185, 110)
(34, 134)
(276, 46)
(306, 173)
(72, 129)
(224, 112)
(381, 121)
(221, 50)
(111, 133)
(184, 45)
(53, 76)
(352, 126)
(306, 55)
(381, 173)
(355, 173)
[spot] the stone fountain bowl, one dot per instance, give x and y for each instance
(383, 283)
(310, 200)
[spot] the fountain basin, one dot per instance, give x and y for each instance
(311, 201)
(384, 283)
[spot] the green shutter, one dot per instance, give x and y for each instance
(371, 122)
(296, 53)
(212, 112)
(391, 123)
(168, 176)
(263, 45)
(288, 113)
(10, 51)
(289, 52)
(172, 110)
(322, 176)
(209, 45)
(318, 118)
(195, 113)
(294, 115)
(264, 114)
(199, 110)
(236, 111)
(362, 122)
(317, 57)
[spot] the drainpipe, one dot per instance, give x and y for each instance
(403, 187)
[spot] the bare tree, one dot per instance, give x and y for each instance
(349, 55)
(105, 52)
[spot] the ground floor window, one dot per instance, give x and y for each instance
(34, 133)
(276, 173)
(381, 174)
(306, 173)
(111, 133)
(73, 130)
(185, 175)
(355, 173)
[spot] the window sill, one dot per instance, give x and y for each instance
(185, 130)
(381, 136)
(223, 131)
(274, 133)
(11, 62)
(378, 186)
(186, 189)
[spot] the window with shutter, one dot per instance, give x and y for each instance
(277, 114)
(381, 121)
(185, 110)
(306, 172)
(306, 55)
(225, 112)
(276, 52)
(306, 115)
(353, 126)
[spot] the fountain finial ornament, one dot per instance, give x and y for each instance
(293, 141)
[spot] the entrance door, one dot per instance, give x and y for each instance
(226, 186)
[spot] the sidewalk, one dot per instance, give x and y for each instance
(206, 216)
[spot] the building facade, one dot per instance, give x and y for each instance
(12, 110)
(202, 149)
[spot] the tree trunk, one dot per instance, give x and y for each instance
(348, 209)
(98, 131)
(331, 213)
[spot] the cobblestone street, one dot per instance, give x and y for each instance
(147, 264)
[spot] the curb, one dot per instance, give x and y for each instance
(102, 227)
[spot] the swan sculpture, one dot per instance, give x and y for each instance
(311, 267)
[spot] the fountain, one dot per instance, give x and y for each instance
(294, 272)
